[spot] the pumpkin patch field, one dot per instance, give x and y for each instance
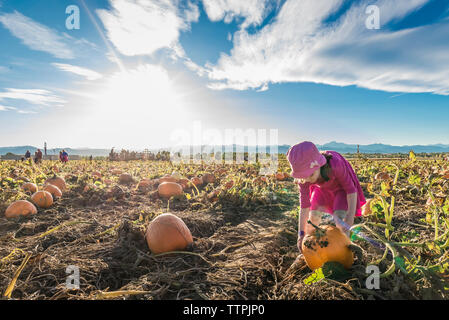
(157, 230)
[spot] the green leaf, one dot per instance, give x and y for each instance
(401, 264)
(316, 276)
(335, 271)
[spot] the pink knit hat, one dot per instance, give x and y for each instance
(304, 159)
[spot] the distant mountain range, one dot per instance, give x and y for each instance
(335, 146)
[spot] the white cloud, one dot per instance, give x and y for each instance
(141, 27)
(299, 47)
(6, 108)
(87, 73)
(252, 11)
(35, 35)
(33, 96)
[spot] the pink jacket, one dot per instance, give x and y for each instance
(342, 176)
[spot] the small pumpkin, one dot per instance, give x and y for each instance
(184, 183)
(176, 175)
(42, 199)
(29, 187)
(144, 184)
(96, 174)
(20, 208)
(197, 181)
(54, 190)
(208, 178)
(169, 189)
(116, 172)
(166, 233)
(57, 181)
(327, 244)
(125, 178)
(168, 178)
(279, 176)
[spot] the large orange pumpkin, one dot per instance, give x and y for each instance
(42, 199)
(20, 208)
(169, 189)
(57, 181)
(29, 187)
(54, 190)
(327, 244)
(167, 233)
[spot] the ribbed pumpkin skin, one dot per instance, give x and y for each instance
(42, 199)
(54, 190)
(336, 249)
(20, 208)
(29, 187)
(57, 181)
(169, 189)
(167, 233)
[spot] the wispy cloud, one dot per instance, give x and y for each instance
(33, 96)
(87, 73)
(36, 36)
(6, 108)
(253, 11)
(299, 46)
(138, 27)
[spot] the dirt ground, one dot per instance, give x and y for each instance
(237, 254)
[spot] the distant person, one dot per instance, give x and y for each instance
(60, 156)
(65, 156)
(27, 155)
(38, 156)
(90, 158)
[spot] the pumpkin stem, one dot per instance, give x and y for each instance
(315, 226)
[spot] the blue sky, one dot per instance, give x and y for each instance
(142, 74)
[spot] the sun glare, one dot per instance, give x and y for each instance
(141, 99)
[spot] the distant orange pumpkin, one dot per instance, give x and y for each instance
(54, 190)
(57, 181)
(42, 199)
(29, 187)
(169, 189)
